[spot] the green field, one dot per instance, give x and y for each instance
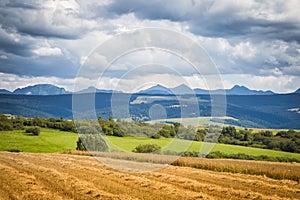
(194, 121)
(129, 143)
(48, 141)
(51, 140)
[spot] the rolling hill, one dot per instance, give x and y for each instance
(262, 111)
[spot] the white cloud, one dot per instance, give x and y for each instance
(279, 84)
(3, 57)
(47, 51)
(244, 39)
(12, 81)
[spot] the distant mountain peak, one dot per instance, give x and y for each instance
(297, 91)
(4, 91)
(41, 89)
(182, 89)
(242, 90)
(92, 89)
(157, 89)
(239, 87)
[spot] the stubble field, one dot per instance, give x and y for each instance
(61, 176)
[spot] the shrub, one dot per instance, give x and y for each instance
(91, 142)
(14, 150)
(34, 130)
(146, 148)
(155, 136)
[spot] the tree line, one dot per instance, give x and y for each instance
(283, 140)
(8, 123)
(91, 132)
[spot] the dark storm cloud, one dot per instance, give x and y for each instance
(44, 66)
(18, 4)
(271, 30)
(256, 36)
(221, 18)
(10, 42)
(35, 19)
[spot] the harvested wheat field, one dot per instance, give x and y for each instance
(61, 176)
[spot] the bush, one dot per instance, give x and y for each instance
(34, 130)
(14, 150)
(155, 136)
(5, 123)
(146, 148)
(91, 142)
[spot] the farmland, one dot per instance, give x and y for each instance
(48, 141)
(51, 140)
(59, 176)
(129, 143)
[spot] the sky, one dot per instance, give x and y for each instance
(252, 43)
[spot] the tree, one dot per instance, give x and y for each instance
(146, 148)
(91, 142)
(34, 130)
(167, 131)
(200, 135)
(5, 123)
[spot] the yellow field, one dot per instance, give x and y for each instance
(61, 176)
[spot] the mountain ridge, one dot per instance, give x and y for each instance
(49, 89)
(40, 89)
(297, 91)
(157, 89)
(4, 91)
(184, 89)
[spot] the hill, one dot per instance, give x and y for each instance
(297, 91)
(242, 90)
(156, 90)
(184, 89)
(92, 89)
(3, 91)
(41, 89)
(48, 89)
(259, 111)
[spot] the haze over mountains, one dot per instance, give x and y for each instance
(48, 89)
(251, 108)
(183, 89)
(40, 89)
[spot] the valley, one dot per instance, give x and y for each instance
(251, 111)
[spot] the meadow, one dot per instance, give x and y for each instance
(51, 140)
(77, 175)
(129, 143)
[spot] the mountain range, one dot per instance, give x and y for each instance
(183, 89)
(48, 89)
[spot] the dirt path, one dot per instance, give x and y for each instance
(58, 176)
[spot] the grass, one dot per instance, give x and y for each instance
(51, 140)
(194, 121)
(129, 143)
(48, 141)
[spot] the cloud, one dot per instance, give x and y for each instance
(3, 57)
(57, 66)
(12, 81)
(56, 19)
(279, 84)
(46, 51)
(53, 38)
(222, 18)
